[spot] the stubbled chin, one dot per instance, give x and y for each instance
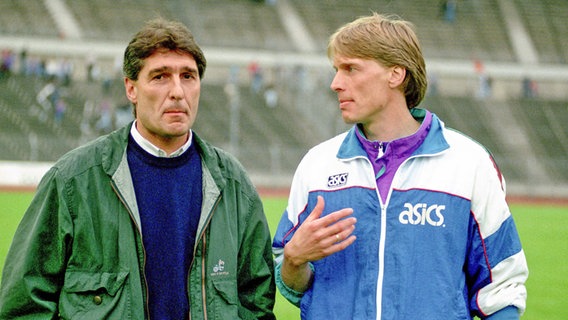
(176, 127)
(347, 119)
(180, 127)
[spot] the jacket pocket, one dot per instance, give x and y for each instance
(226, 289)
(225, 304)
(92, 295)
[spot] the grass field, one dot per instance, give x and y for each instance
(543, 230)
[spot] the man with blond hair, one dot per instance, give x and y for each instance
(400, 217)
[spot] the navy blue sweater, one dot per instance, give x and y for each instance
(169, 196)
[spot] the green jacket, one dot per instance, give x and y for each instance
(78, 252)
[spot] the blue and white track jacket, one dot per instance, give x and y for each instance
(443, 246)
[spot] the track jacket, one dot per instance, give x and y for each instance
(78, 252)
(443, 246)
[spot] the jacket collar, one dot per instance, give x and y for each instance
(434, 142)
(114, 155)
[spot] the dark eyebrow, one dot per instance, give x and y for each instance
(190, 70)
(157, 70)
(166, 69)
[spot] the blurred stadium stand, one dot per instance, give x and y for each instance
(519, 45)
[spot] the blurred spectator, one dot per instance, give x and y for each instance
(23, 61)
(35, 66)
(256, 77)
(92, 69)
(7, 63)
(271, 96)
(47, 96)
(485, 86)
(66, 72)
(60, 108)
(530, 88)
(485, 83)
(449, 8)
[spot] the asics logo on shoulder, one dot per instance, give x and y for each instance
(337, 180)
(421, 213)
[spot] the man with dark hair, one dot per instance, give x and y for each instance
(149, 221)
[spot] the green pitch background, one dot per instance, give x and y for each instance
(543, 230)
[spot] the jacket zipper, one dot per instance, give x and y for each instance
(381, 274)
(142, 273)
(203, 270)
(383, 231)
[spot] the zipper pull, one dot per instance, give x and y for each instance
(381, 151)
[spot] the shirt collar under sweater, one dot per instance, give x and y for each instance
(152, 149)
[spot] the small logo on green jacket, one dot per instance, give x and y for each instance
(219, 268)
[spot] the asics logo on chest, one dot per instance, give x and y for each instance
(422, 214)
(337, 180)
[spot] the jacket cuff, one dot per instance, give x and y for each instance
(508, 313)
(295, 297)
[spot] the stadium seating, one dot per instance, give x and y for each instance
(478, 29)
(26, 18)
(546, 23)
(273, 140)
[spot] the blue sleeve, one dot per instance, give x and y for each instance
(508, 313)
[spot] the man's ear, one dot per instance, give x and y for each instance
(130, 90)
(398, 74)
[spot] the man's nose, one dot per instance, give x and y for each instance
(336, 83)
(176, 90)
